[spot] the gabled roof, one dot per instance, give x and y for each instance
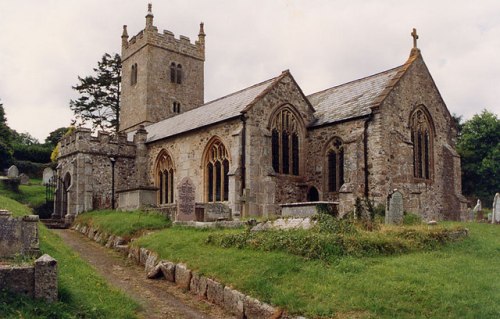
(216, 111)
(352, 99)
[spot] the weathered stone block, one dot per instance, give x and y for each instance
(134, 253)
(168, 270)
(254, 309)
(182, 276)
(110, 242)
(233, 302)
(215, 292)
(46, 278)
(152, 271)
(123, 249)
(198, 285)
(143, 256)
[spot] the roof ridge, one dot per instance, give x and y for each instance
(358, 80)
(239, 91)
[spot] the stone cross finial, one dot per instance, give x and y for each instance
(415, 37)
(150, 7)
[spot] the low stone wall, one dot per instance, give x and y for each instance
(18, 235)
(233, 301)
(306, 209)
(38, 280)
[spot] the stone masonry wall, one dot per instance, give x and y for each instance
(187, 152)
(151, 98)
(391, 149)
(18, 235)
(265, 189)
(87, 161)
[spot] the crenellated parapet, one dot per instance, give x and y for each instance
(165, 40)
(82, 141)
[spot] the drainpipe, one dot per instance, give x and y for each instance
(243, 153)
(365, 144)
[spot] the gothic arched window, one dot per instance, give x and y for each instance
(421, 137)
(285, 143)
(217, 169)
(175, 73)
(133, 74)
(335, 162)
(165, 178)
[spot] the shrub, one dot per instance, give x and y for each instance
(39, 153)
(11, 184)
(411, 219)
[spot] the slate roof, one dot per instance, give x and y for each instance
(219, 110)
(352, 99)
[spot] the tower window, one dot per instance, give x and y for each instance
(217, 169)
(165, 178)
(133, 74)
(176, 107)
(421, 137)
(285, 143)
(335, 162)
(175, 73)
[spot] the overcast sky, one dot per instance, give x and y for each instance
(46, 44)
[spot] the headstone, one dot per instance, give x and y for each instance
(477, 211)
(13, 172)
(24, 179)
(217, 211)
(186, 202)
(48, 173)
(394, 213)
(495, 213)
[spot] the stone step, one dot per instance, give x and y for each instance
(54, 223)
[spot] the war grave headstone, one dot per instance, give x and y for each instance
(13, 172)
(394, 211)
(186, 202)
(48, 174)
(495, 214)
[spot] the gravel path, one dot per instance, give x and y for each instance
(158, 298)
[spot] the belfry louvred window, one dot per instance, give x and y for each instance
(217, 169)
(133, 74)
(285, 143)
(165, 178)
(421, 137)
(175, 73)
(335, 163)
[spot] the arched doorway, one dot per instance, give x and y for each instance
(66, 184)
(312, 194)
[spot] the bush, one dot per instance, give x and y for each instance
(11, 184)
(411, 219)
(34, 153)
(32, 169)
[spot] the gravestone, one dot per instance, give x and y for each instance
(13, 172)
(186, 202)
(48, 173)
(24, 179)
(477, 210)
(394, 212)
(217, 211)
(495, 214)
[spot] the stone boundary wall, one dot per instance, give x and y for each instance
(231, 300)
(38, 280)
(18, 235)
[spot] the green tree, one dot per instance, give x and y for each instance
(5, 140)
(55, 136)
(479, 147)
(99, 101)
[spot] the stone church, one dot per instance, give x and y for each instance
(265, 146)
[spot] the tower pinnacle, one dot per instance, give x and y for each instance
(149, 16)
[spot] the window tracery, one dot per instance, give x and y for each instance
(335, 162)
(285, 143)
(165, 178)
(217, 169)
(421, 137)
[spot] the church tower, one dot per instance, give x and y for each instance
(161, 76)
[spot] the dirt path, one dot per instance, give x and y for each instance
(158, 298)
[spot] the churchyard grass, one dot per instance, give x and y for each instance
(32, 195)
(82, 292)
(458, 280)
(125, 224)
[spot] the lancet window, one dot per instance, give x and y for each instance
(285, 143)
(335, 162)
(165, 178)
(133, 74)
(175, 73)
(421, 137)
(217, 169)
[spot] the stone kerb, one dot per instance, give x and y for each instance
(233, 301)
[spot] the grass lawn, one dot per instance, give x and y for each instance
(32, 195)
(125, 224)
(459, 280)
(82, 292)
